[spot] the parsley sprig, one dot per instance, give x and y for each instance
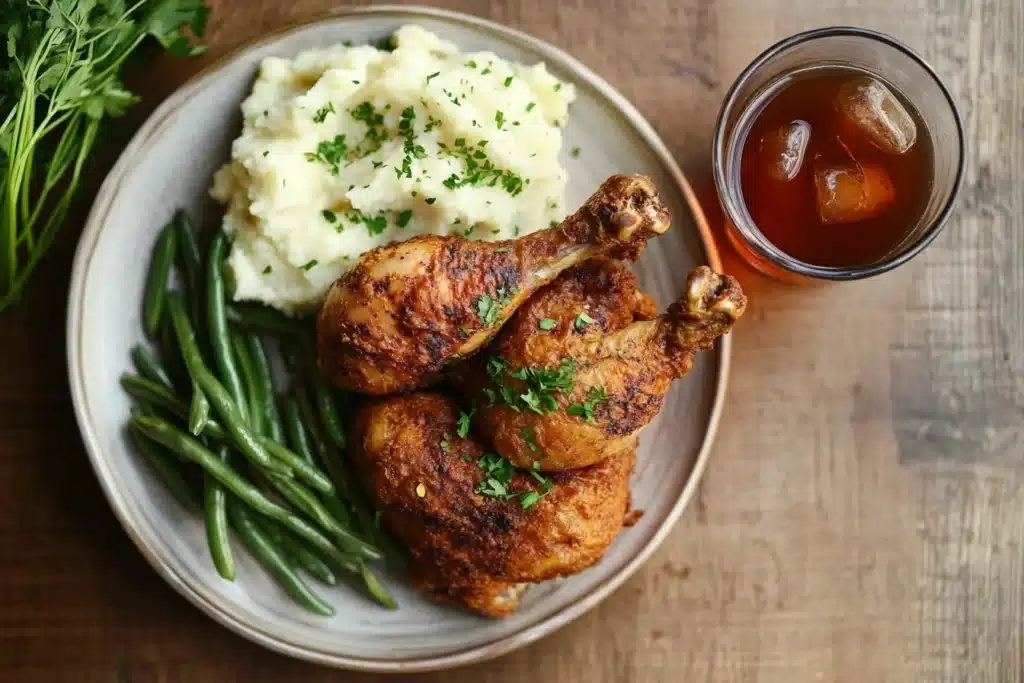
(59, 79)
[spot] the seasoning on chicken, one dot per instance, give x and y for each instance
(408, 309)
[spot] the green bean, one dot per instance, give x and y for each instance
(156, 282)
(191, 260)
(284, 461)
(246, 441)
(215, 515)
(171, 356)
(303, 556)
(148, 365)
(298, 437)
(217, 321)
(263, 374)
(270, 557)
(310, 474)
(165, 469)
(253, 397)
(265, 319)
(199, 411)
(324, 397)
(348, 490)
(375, 587)
(158, 396)
(307, 503)
(183, 444)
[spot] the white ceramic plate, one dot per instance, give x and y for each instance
(169, 164)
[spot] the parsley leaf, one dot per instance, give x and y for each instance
(404, 217)
(499, 118)
(585, 410)
(321, 114)
(330, 153)
(310, 265)
(464, 421)
(433, 75)
(582, 320)
(547, 324)
(329, 216)
(508, 81)
(529, 437)
(268, 270)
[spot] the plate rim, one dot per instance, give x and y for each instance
(224, 614)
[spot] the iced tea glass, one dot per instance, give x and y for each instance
(837, 48)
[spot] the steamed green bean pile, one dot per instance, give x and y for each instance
(260, 466)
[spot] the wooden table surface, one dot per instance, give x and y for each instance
(862, 518)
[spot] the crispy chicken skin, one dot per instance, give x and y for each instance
(467, 547)
(408, 309)
(633, 363)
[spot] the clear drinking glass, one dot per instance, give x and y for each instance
(857, 48)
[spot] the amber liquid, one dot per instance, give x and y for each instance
(787, 211)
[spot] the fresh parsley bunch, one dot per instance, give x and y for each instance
(59, 78)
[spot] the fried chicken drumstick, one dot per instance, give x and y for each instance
(572, 379)
(408, 309)
(469, 546)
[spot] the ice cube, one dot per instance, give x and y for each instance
(875, 111)
(784, 149)
(847, 193)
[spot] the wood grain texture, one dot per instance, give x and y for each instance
(862, 519)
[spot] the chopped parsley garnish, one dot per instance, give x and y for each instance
(444, 445)
(499, 118)
(431, 200)
(530, 106)
(347, 43)
(488, 308)
(403, 218)
(479, 170)
(485, 71)
(582, 320)
(356, 82)
(311, 264)
(498, 473)
(575, 153)
(266, 152)
(508, 81)
(433, 75)
(375, 225)
(585, 410)
(322, 112)
(377, 164)
(541, 385)
(329, 215)
(556, 87)
(330, 153)
(464, 420)
(383, 44)
(547, 324)
(411, 149)
(529, 437)
(268, 270)
(471, 64)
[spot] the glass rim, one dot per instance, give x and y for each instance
(761, 245)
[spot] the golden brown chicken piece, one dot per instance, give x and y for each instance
(466, 545)
(562, 390)
(408, 309)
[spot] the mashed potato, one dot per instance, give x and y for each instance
(347, 148)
